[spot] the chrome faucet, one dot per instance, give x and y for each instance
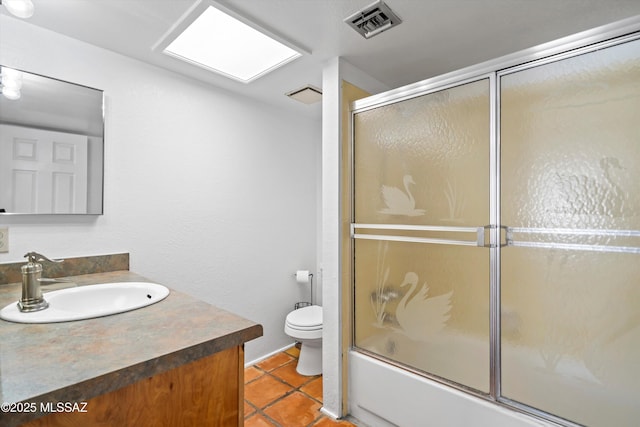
(32, 299)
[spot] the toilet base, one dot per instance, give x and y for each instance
(310, 359)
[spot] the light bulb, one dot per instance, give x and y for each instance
(11, 93)
(11, 73)
(11, 81)
(11, 77)
(19, 8)
(13, 84)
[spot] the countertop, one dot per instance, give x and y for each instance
(75, 361)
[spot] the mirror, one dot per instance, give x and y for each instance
(51, 145)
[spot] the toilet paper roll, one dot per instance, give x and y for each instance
(302, 276)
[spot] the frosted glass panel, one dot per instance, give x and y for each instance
(570, 142)
(426, 306)
(424, 162)
(570, 150)
(571, 335)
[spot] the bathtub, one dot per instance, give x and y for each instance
(383, 395)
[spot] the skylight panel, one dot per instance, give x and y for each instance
(219, 42)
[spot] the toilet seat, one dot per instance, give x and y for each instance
(306, 318)
(304, 323)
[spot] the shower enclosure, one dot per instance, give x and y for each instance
(496, 233)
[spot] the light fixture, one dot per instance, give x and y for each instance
(11, 83)
(220, 40)
(307, 94)
(19, 8)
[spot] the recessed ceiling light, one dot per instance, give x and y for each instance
(221, 41)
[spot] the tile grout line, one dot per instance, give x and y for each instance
(288, 393)
(293, 389)
(262, 412)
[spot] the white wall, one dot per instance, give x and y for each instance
(211, 193)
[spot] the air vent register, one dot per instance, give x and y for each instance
(373, 20)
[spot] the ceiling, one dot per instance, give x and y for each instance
(436, 36)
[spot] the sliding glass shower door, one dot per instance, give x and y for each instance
(570, 277)
(421, 185)
(496, 233)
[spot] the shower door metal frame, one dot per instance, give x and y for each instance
(606, 42)
(492, 230)
(578, 44)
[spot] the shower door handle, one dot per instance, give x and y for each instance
(484, 231)
(568, 237)
(479, 241)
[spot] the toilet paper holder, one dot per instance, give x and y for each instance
(300, 276)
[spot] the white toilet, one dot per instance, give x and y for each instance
(305, 325)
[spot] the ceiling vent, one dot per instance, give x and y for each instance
(373, 20)
(307, 95)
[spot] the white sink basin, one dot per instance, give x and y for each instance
(86, 302)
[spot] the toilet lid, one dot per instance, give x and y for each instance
(306, 317)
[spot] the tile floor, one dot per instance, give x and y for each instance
(275, 395)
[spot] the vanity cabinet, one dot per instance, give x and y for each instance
(206, 392)
(178, 362)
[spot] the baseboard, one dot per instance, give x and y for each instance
(266, 356)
